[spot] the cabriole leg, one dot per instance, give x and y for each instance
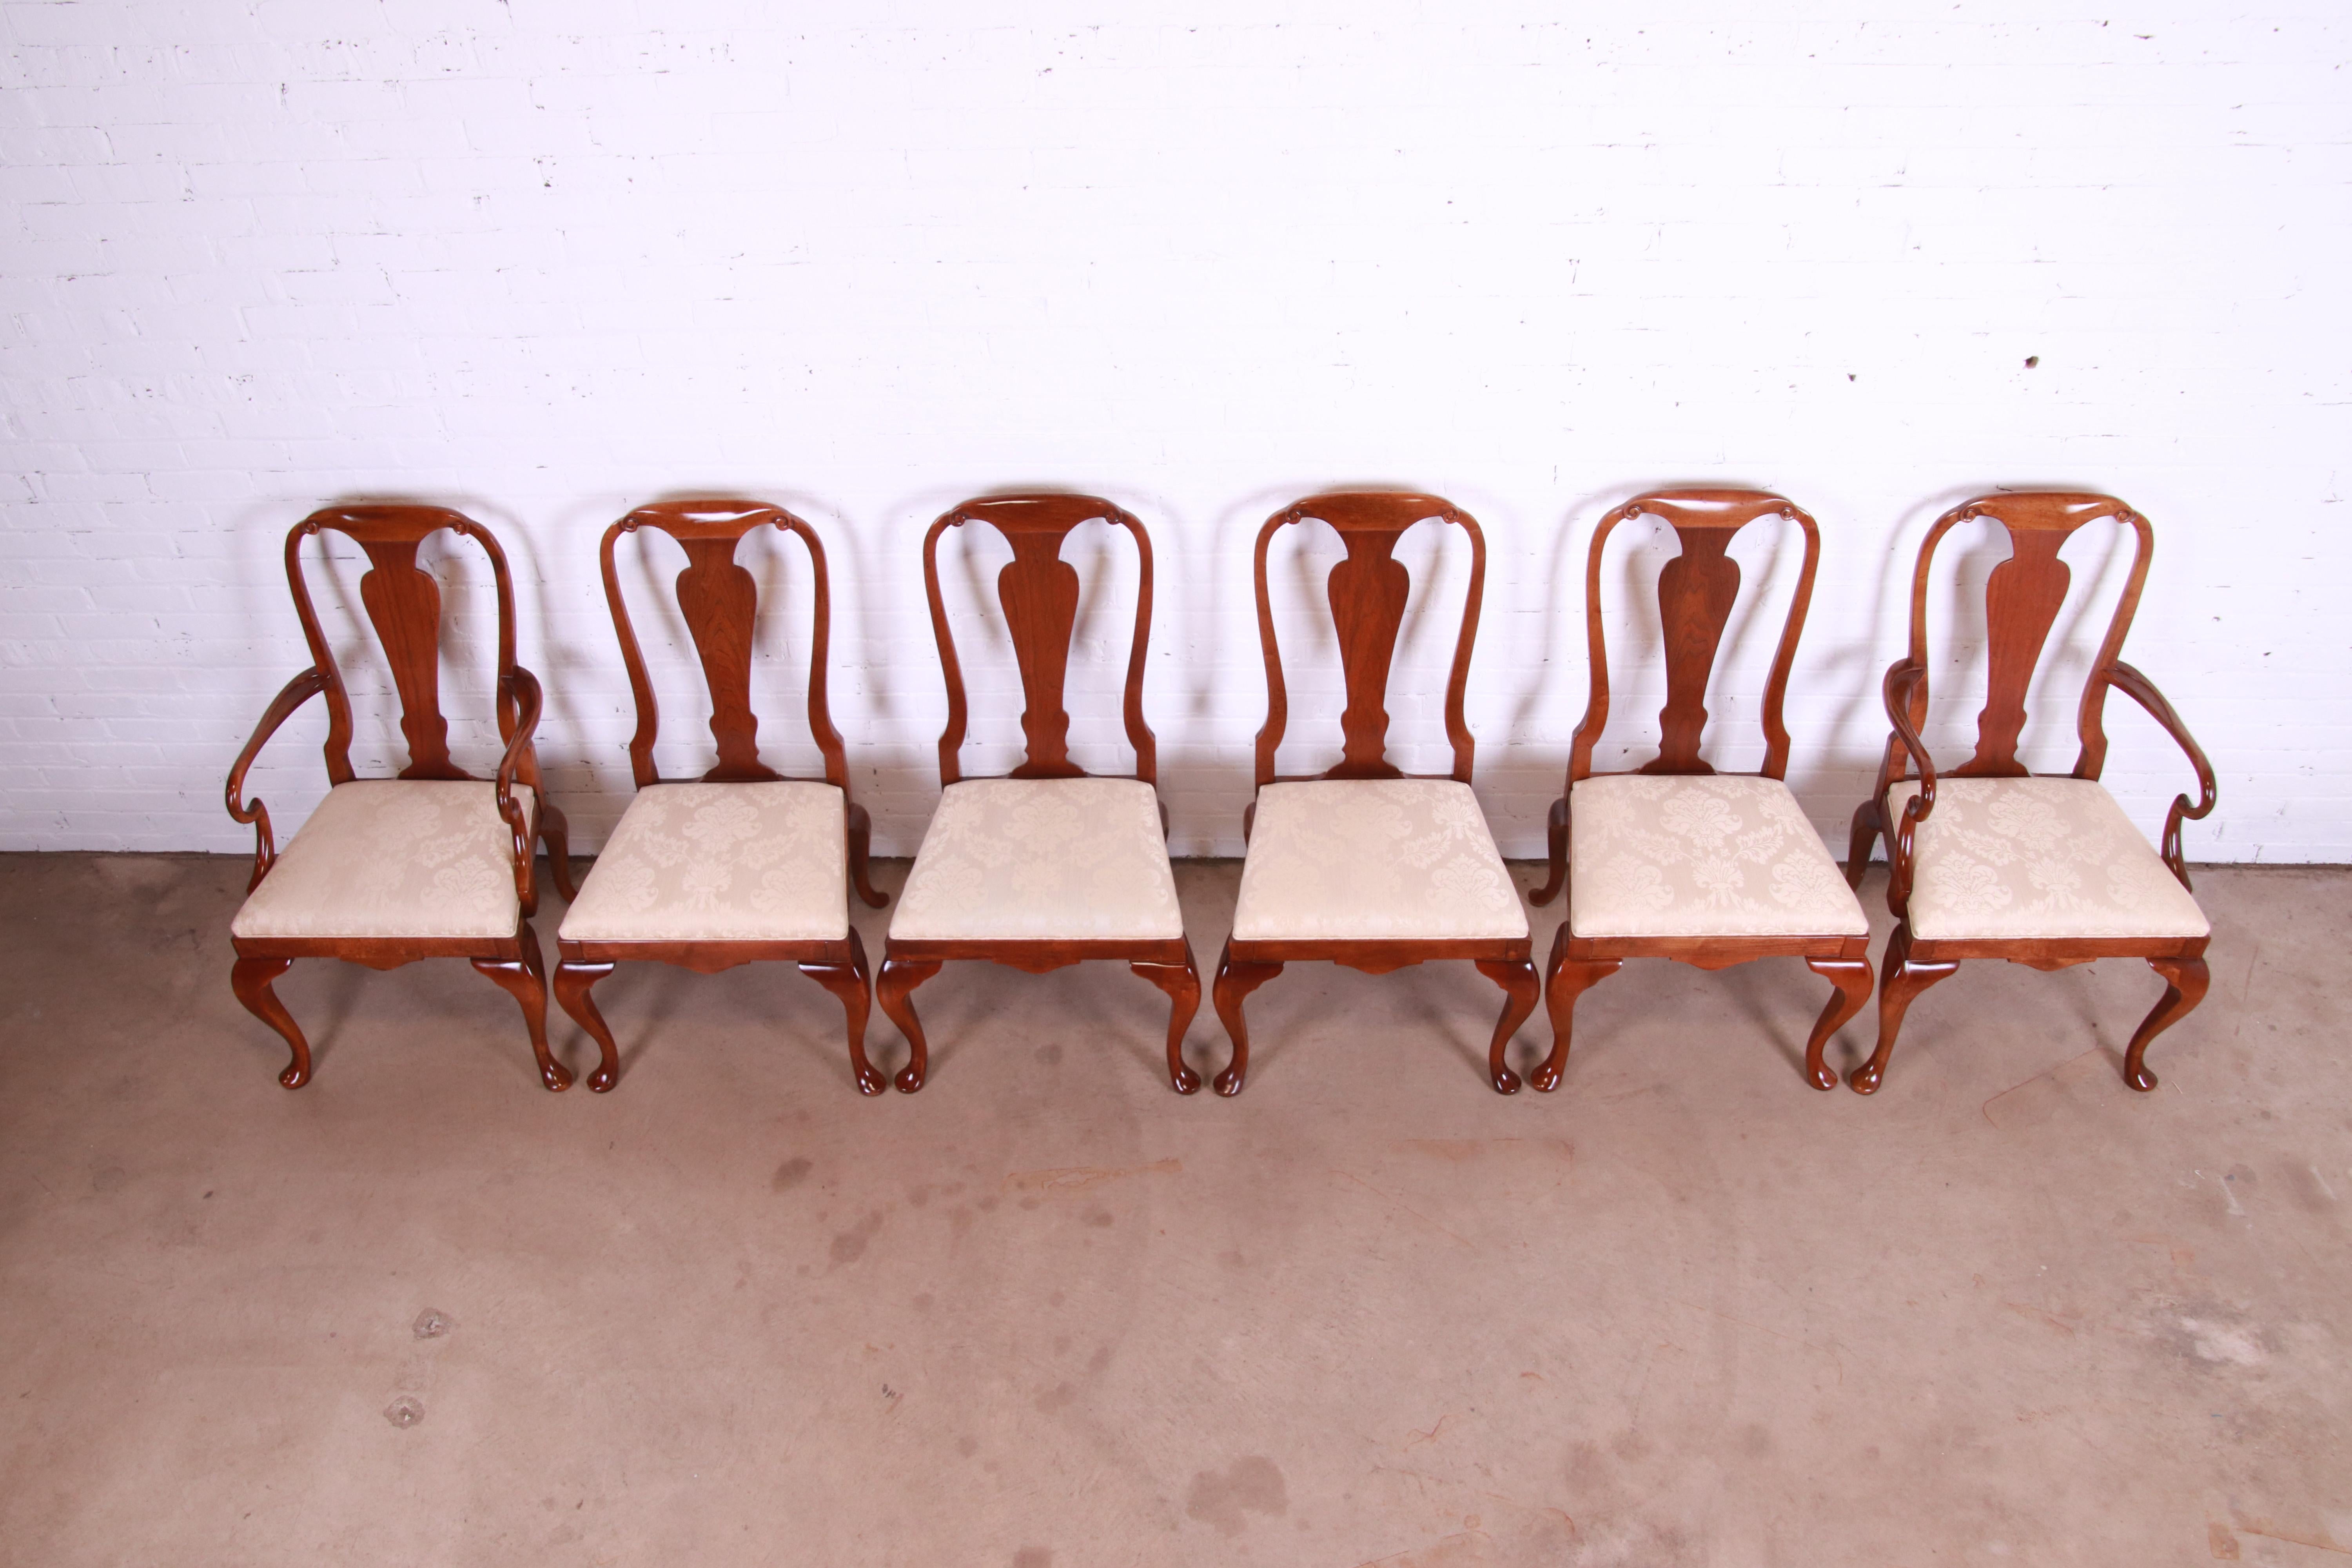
(1236, 978)
(2185, 979)
(525, 980)
(251, 980)
(1851, 978)
(1901, 978)
(1183, 988)
(854, 985)
(1517, 976)
(897, 994)
(1566, 979)
(573, 978)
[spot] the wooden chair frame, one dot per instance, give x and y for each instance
(403, 604)
(1697, 591)
(2022, 597)
(1367, 591)
(1039, 593)
(720, 603)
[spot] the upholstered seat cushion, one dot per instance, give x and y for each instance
(395, 857)
(1709, 856)
(1042, 860)
(722, 862)
(2022, 858)
(1374, 860)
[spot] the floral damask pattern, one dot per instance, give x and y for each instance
(395, 857)
(1705, 855)
(1374, 860)
(722, 862)
(2002, 859)
(1042, 860)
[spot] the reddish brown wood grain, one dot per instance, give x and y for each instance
(1697, 591)
(2022, 597)
(1369, 591)
(720, 603)
(403, 607)
(1039, 592)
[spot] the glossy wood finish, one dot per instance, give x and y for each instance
(1697, 591)
(403, 606)
(1038, 592)
(720, 602)
(1369, 589)
(2022, 597)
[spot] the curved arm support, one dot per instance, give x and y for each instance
(522, 688)
(1784, 658)
(1902, 678)
(1138, 734)
(1457, 681)
(2142, 690)
(298, 692)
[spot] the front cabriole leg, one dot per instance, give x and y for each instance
(1522, 989)
(2185, 979)
(251, 980)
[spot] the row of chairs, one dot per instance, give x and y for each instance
(1360, 865)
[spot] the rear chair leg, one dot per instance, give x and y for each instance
(897, 994)
(573, 977)
(2184, 987)
(525, 980)
(854, 985)
(1236, 978)
(1517, 976)
(556, 834)
(1183, 988)
(1868, 826)
(1565, 980)
(251, 979)
(1851, 978)
(1900, 981)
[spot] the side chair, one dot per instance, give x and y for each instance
(1361, 864)
(1676, 860)
(432, 863)
(1988, 860)
(1047, 865)
(742, 865)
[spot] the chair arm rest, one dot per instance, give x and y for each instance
(2142, 690)
(298, 692)
(523, 687)
(1901, 676)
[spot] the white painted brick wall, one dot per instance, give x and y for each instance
(543, 259)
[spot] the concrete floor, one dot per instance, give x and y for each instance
(1685, 1311)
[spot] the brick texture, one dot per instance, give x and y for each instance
(543, 260)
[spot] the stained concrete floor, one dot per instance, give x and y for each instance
(1685, 1311)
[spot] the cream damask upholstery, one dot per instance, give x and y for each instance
(395, 857)
(1042, 860)
(1374, 860)
(1706, 855)
(722, 862)
(2004, 858)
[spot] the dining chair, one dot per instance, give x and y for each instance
(433, 862)
(1361, 864)
(742, 865)
(1989, 861)
(1049, 865)
(1675, 860)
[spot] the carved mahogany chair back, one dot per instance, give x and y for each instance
(2022, 597)
(1367, 591)
(403, 604)
(1696, 593)
(1039, 593)
(720, 602)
